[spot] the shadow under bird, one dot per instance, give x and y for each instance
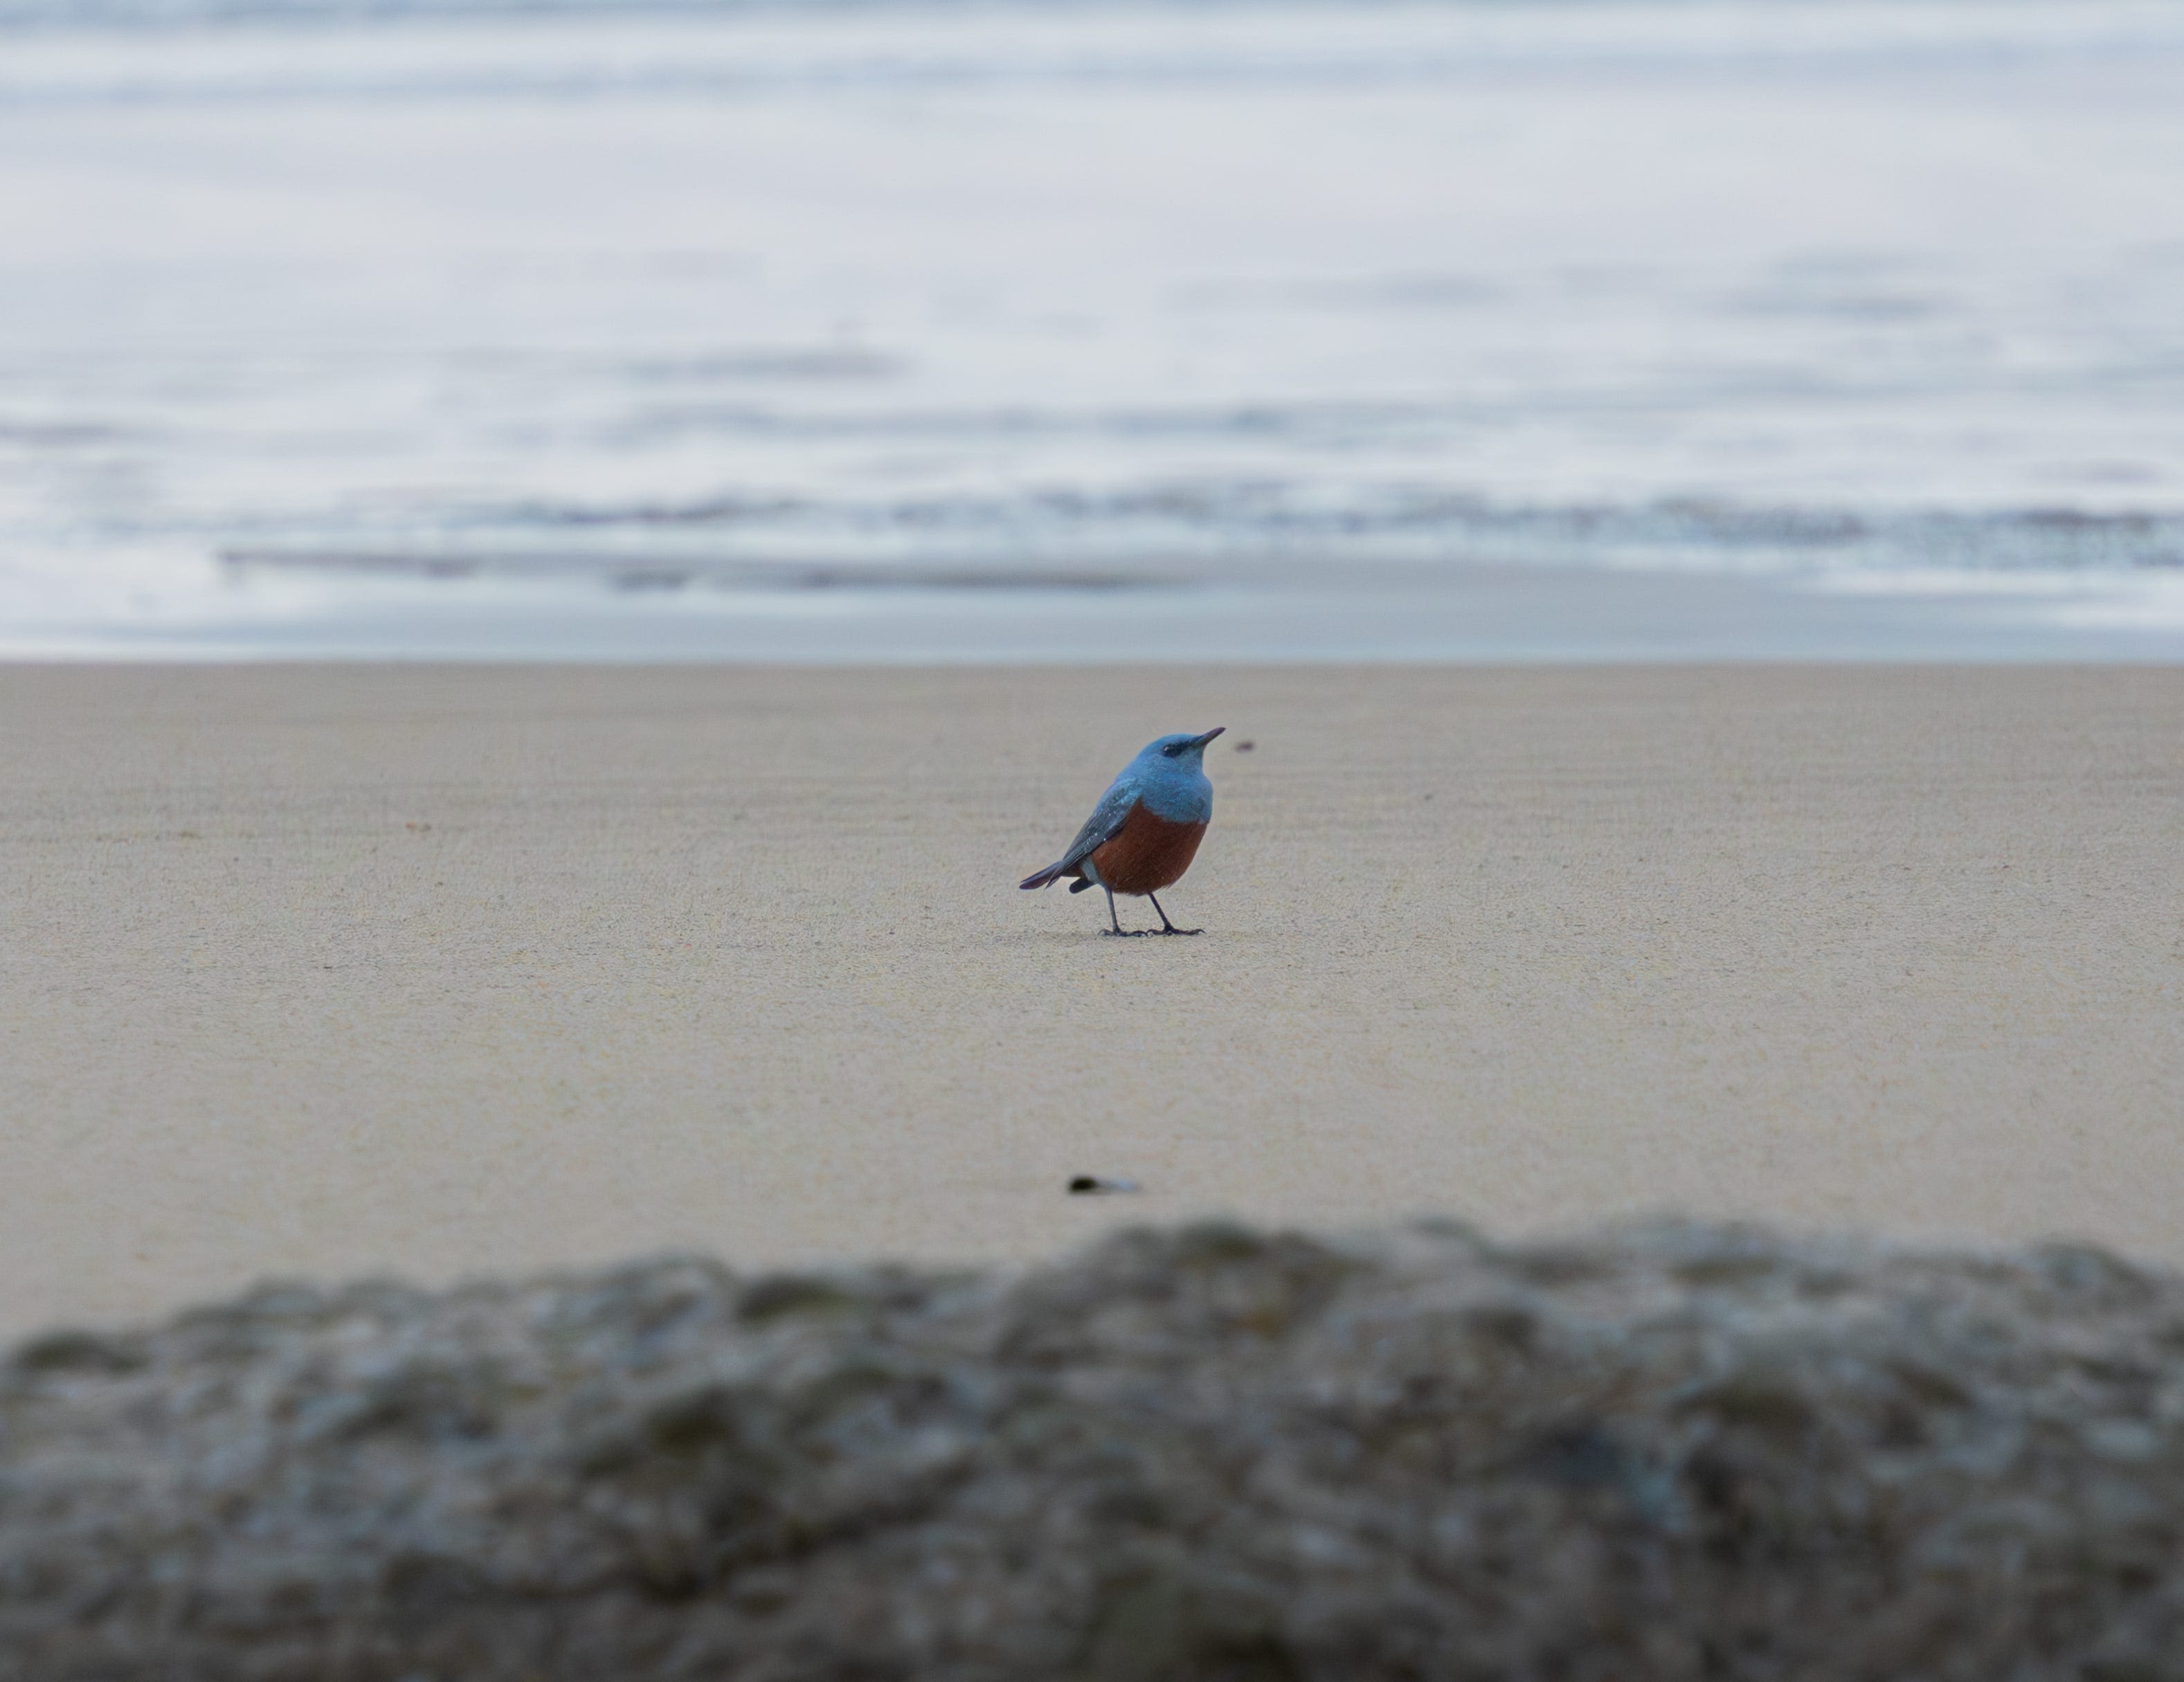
(1145, 832)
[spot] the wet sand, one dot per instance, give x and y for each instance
(336, 970)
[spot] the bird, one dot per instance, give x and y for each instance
(1145, 832)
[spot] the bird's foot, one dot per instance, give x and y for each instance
(1175, 931)
(1129, 933)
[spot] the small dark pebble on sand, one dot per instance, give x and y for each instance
(1092, 1185)
(1246, 747)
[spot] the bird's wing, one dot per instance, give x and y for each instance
(1107, 817)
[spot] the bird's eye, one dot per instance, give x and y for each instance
(1174, 751)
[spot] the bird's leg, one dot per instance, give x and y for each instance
(1118, 922)
(1167, 927)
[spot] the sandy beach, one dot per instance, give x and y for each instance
(434, 970)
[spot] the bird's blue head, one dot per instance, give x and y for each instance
(1172, 754)
(1170, 777)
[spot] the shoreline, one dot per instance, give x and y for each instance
(441, 970)
(1496, 614)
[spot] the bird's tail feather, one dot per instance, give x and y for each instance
(1040, 879)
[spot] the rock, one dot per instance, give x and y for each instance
(1665, 1452)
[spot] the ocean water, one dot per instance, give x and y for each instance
(1632, 328)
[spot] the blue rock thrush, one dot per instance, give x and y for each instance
(1145, 832)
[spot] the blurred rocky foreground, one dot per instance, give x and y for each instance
(1667, 1452)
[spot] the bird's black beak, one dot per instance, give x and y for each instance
(1202, 740)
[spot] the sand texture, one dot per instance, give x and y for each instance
(1205, 1456)
(333, 971)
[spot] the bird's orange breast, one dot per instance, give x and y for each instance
(1147, 853)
